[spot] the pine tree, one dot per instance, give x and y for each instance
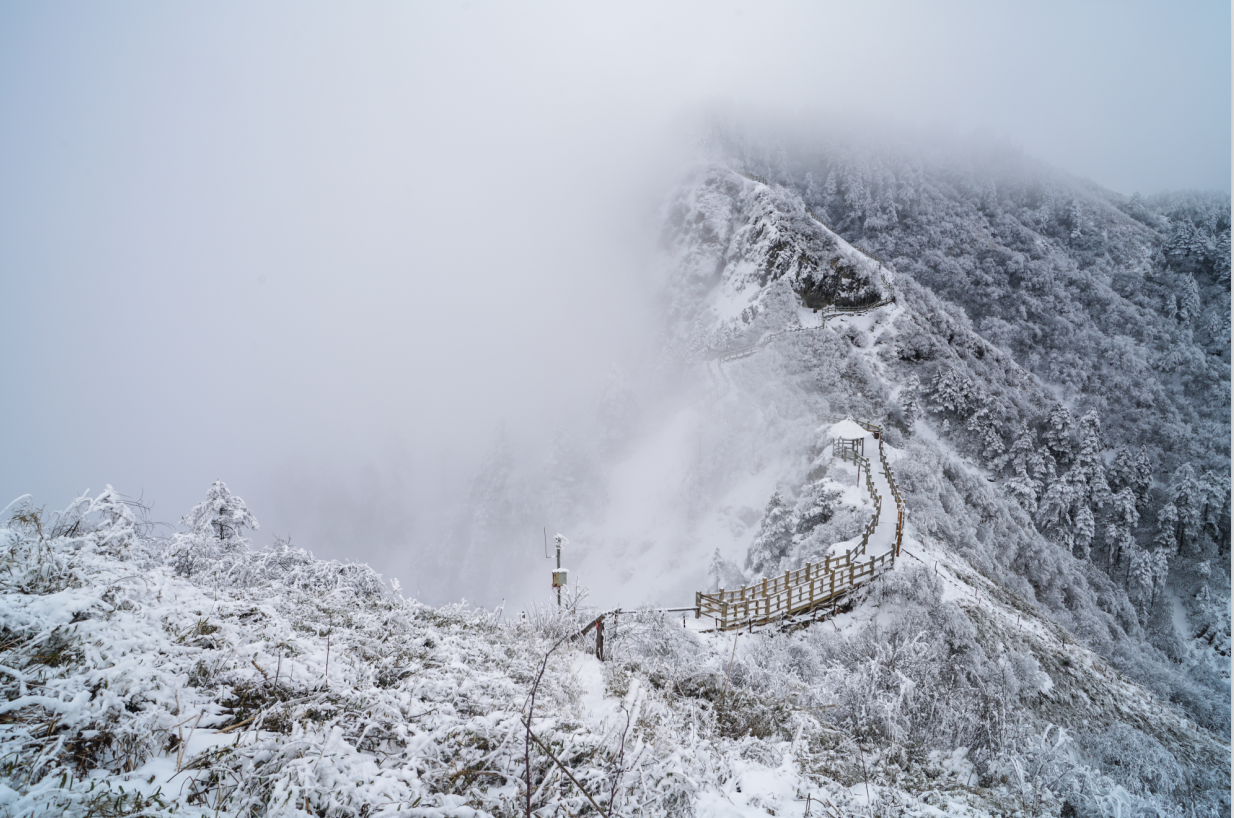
(221, 515)
(1167, 527)
(1070, 504)
(117, 526)
(1189, 499)
(1027, 464)
(910, 402)
(1189, 305)
(1089, 463)
(1122, 469)
(1150, 570)
(1143, 480)
(816, 506)
(985, 430)
(1221, 259)
(1217, 509)
(1124, 517)
(774, 540)
(215, 533)
(1160, 562)
(1057, 512)
(724, 574)
(1057, 435)
(810, 189)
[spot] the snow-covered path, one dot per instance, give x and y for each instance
(815, 585)
(883, 539)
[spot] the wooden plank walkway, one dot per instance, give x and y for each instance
(818, 585)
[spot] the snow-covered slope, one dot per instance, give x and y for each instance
(273, 684)
(1054, 640)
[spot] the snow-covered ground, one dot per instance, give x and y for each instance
(274, 684)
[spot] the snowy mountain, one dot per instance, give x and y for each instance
(1049, 363)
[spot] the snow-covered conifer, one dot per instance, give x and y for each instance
(1089, 462)
(215, 533)
(1057, 435)
(1189, 304)
(1189, 497)
(221, 515)
(1143, 478)
(116, 529)
(1121, 473)
(774, 540)
(1167, 528)
(1124, 517)
(724, 574)
(910, 401)
(816, 506)
(1221, 259)
(1217, 508)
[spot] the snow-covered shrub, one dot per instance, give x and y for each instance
(1138, 762)
(285, 566)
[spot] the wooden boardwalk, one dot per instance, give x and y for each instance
(818, 585)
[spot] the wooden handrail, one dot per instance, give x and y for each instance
(814, 585)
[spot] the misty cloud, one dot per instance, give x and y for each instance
(322, 251)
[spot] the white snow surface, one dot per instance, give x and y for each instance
(251, 690)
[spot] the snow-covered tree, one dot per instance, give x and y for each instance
(1189, 498)
(215, 532)
(1167, 528)
(1124, 517)
(1143, 477)
(1027, 465)
(1217, 509)
(774, 540)
(1150, 570)
(724, 574)
(910, 402)
(1057, 435)
(1089, 462)
(221, 515)
(816, 506)
(1221, 261)
(116, 527)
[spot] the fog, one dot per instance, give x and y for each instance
(324, 251)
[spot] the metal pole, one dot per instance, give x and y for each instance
(558, 568)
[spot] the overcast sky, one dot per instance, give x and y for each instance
(322, 250)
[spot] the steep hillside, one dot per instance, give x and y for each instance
(196, 677)
(1054, 639)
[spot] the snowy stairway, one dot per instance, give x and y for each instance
(821, 584)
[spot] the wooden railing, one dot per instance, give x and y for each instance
(752, 177)
(819, 584)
